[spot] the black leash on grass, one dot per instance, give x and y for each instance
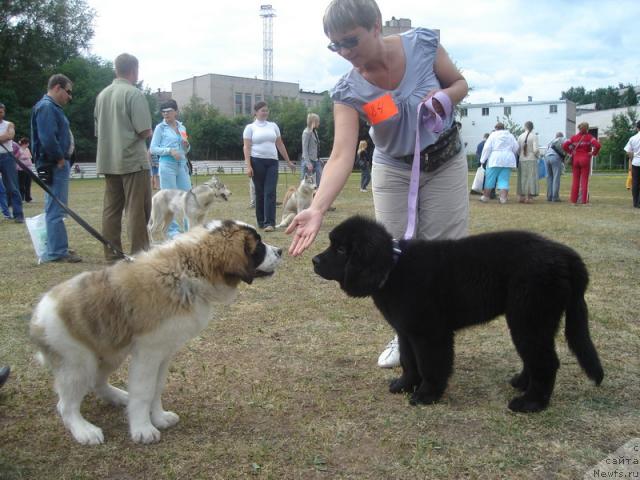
(71, 213)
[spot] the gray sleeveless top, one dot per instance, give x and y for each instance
(395, 137)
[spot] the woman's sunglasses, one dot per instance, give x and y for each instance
(348, 43)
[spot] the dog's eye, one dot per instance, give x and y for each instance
(341, 250)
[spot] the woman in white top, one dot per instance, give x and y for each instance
(528, 164)
(498, 158)
(262, 142)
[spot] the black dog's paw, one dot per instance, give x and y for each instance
(526, 405)
(520, 381)
(424, 398)
(402, 385)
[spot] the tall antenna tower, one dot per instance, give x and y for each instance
(267, 13)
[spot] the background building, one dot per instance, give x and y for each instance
(601, 120)
(395, 26)
(548, 117)
(237, 95)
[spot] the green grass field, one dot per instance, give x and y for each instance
(283, 383)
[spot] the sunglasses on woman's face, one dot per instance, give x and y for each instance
(347, 42)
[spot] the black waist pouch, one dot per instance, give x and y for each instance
(446, 147)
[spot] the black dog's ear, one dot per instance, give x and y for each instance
(368, 266)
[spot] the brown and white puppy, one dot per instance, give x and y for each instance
(86, 326)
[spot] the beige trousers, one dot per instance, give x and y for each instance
(443, 200)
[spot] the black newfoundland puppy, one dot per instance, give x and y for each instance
(427, 290)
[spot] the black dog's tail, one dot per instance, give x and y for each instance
(576, 328)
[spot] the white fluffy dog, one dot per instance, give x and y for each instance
(86, 326)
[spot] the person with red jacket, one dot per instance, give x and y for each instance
(582, 146)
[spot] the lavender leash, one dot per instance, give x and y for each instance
(428, 116)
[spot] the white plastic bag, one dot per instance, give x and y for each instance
(38, 231)
(478, 181)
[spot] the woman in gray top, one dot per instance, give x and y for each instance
(391, 76)
(310, 142)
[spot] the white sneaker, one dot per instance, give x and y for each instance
(390, 357)
(484, 199)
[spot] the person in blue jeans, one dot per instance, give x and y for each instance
(170, 144)
(52, 148)
(261, 144)
(8, 169)
(3, 201)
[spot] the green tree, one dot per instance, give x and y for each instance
(36, 37)
(612, 152)
(212, 135)
(89, 76)
(515, 128)
(325, 132)
(630, 98)
(291, 118)
(606, 98)
(578, 95)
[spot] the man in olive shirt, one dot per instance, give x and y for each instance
(123, 122)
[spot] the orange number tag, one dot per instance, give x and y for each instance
(380, 109)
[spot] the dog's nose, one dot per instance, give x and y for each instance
(316, 261)
(279, 252)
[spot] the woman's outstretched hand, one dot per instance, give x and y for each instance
(306, 226)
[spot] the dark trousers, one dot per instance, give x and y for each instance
(24, 181)
(365, 177)
(10, 179)
(265, 179)
(635, 185)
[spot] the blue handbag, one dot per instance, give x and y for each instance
(542, 169)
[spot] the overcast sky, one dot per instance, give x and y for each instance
(505, 48)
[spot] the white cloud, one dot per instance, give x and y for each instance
(508, 48)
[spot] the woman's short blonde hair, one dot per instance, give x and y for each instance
(313, 120)
(344, 15)
(362, 145)
(583, 126)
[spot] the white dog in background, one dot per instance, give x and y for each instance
(297, 199)
(86, 326)
(168, 205)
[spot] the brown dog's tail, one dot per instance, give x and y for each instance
(576, 328)
(287, 195)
